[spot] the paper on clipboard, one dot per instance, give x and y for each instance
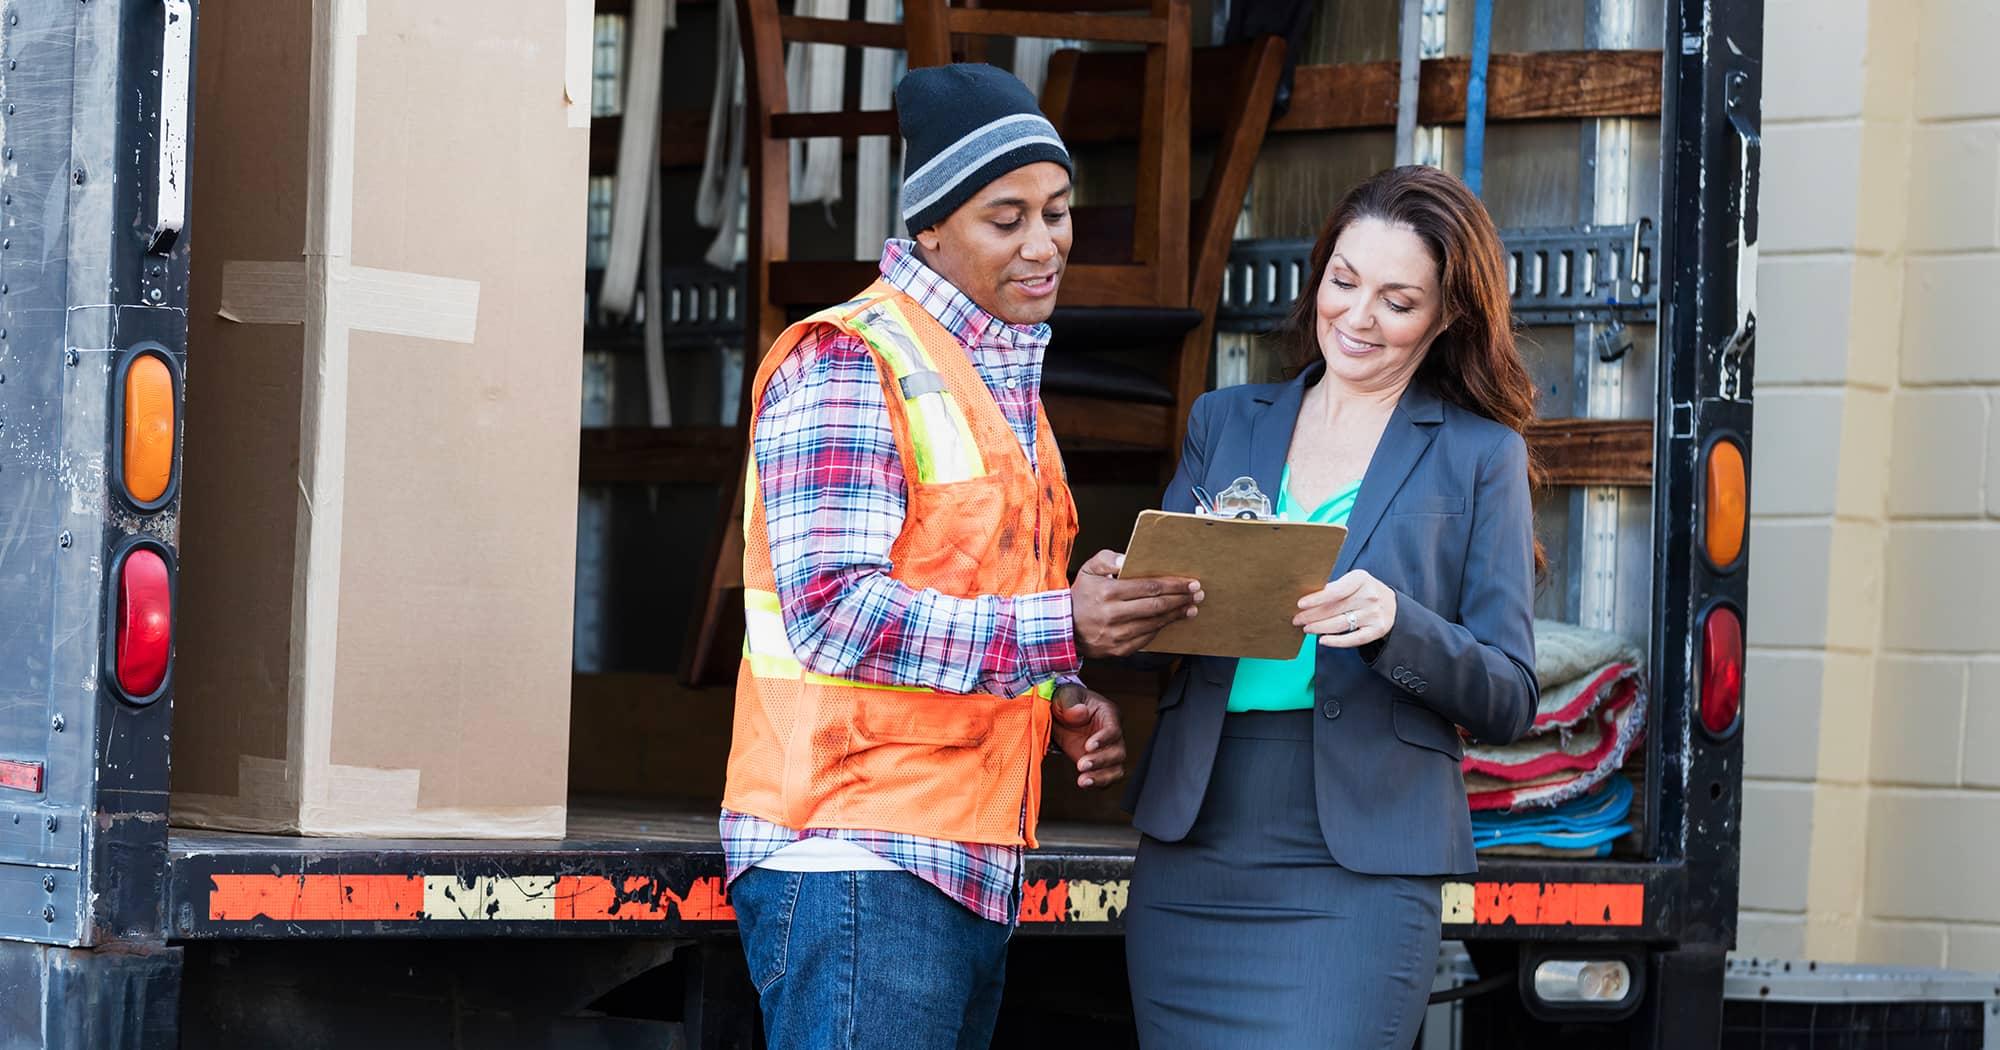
(1252, 573)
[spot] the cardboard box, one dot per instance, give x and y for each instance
(378, 534)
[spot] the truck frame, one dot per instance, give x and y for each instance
(120, 931)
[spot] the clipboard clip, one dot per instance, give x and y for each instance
(1242, 499)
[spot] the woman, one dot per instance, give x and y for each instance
(1300, 815)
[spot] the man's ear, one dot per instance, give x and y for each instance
(928, 238)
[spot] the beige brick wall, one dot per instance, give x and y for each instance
(1872, 788)
(1935, 810)
(1835, 134)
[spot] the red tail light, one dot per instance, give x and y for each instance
(1721, 671)
(145, 623)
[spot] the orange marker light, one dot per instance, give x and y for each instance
(149, 428)
(1725, 504)
(145, 623)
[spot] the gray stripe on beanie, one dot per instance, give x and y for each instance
(918, 195)
(973, 140)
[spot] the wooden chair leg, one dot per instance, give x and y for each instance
(929, 34)
(1190, 377)
(711, 655)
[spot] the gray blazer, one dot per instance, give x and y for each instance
(1444, 518)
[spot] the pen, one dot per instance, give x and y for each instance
(1201, 500)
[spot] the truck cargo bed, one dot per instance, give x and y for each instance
(631, 868)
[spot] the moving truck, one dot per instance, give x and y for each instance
(290, 749)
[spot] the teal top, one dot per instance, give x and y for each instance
(1286, 685)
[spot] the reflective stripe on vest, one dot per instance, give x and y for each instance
(939, 434)
(768, 650)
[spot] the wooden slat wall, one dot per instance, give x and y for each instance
(1547, 85)
(1096, 435)
(1536, 86)
(1594, 451)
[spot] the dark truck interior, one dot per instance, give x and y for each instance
(1166, 231)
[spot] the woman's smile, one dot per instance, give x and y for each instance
(1356, 347)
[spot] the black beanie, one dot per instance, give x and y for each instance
(965, 125)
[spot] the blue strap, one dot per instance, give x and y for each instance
(1475, 95)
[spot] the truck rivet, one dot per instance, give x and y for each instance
(53, 824)
(48, 915)
(49, 883)
(70, 358)
(154, 295)
(58, 724)
(64, 540)
(77, 177)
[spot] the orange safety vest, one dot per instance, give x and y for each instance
(813, 751)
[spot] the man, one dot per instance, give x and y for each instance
(912, 637)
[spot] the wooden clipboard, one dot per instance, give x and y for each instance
(1253, 573)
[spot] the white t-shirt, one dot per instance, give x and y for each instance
(824, 854)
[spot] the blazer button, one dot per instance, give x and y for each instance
(1330, 709)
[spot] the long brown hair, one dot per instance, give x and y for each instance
(1474, 362)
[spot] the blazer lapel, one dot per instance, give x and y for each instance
(1408, 433)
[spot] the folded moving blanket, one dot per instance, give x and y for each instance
(1592, 711)
(1577, 668)
(1585, 826)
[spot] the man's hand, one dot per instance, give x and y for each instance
(1117, 617)
(1087, 729)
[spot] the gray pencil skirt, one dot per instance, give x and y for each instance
(1247, 934)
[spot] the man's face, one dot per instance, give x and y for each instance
(1006, 247)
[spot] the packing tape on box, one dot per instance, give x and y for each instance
(359, 298)
(579, 43)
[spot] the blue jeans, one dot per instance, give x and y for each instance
(868, 960)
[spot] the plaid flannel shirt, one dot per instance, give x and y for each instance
(834, 502)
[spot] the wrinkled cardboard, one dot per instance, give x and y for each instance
(378, 533)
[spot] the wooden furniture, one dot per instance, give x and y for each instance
(1140, 297)
(1155, 274)
(1084, 101)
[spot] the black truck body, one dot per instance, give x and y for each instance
(120, 931)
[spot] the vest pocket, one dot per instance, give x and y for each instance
(885, 717)
(957, 535)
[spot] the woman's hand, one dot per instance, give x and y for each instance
(1349, 612)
